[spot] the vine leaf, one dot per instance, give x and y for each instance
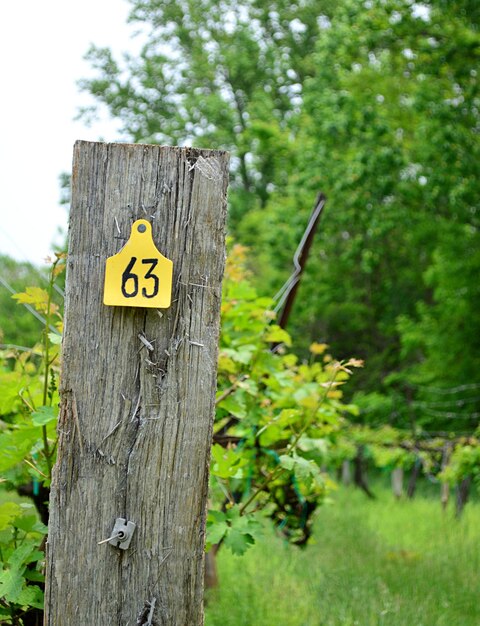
(44, 415)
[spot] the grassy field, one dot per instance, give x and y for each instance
(372, 563)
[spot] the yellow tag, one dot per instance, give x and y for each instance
(139, 275)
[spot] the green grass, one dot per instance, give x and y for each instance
(382, 563)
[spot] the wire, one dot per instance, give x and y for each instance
(446, 390)
(12, 346)
(447, 403)
(451, 415)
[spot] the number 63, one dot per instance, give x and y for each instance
(129, 275)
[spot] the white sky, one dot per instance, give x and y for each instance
(42, 45)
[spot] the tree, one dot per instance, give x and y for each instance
(223, 74)
(443, 336)
(389, 131)
(375, 104)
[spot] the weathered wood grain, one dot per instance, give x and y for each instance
(135, 425)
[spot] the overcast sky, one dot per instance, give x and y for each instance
(42, 45)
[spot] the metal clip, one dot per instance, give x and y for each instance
(122, 534)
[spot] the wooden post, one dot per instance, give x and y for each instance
(412, 483)
(445, 487)
(397, 482)
(463, 493)
(346, 472)
(359, 474)
(138, 392)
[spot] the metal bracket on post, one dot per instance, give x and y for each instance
(122, 534)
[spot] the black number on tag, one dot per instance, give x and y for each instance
(128, 275)
(153, 263)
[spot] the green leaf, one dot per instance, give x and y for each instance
(303, 468)
(34, 575)
(235, 405)
(11, 583)
(288, 416)
(242, 532)
(55, 338)
(241, 354)
(250, 386)
(31, 595)
(26, 553)
(238, 542)
(287, 462)
(44, 415)
(352, 409)
(25, 522)
(237, 531)
(226, 463)
(275, 334)
(271, 434)
(216, 528)
(17, 443)
(216, 516)
(215, 533)
(33, 295)
(12, 580)
(8, 512)
(10, 383)
(309, 444)
(29, 523)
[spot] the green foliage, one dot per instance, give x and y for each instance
(237, 532)
(444, 335)
(28, 412)
(388, 448)
(387, 80)
(464, 462)
(392, 457)
(276, 416)
(17, 325)
(227, 463)
(21, 533)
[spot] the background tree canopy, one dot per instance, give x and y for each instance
(374, 103)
